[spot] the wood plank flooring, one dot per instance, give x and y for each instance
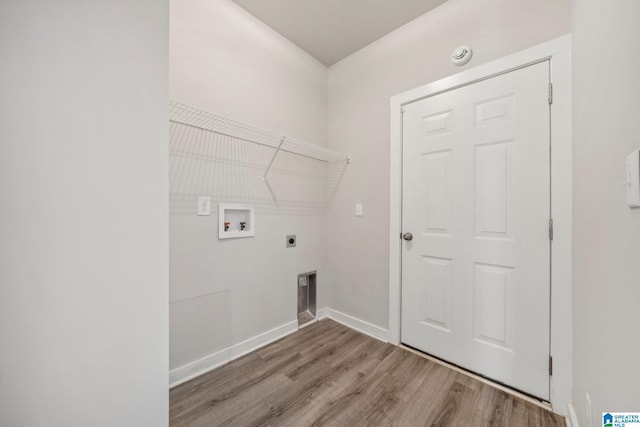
(329, 375)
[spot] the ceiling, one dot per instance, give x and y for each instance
(331, 30)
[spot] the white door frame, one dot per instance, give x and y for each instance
(558, 51)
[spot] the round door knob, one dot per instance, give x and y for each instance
(407, 236)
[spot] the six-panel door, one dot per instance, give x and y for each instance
(476, 197)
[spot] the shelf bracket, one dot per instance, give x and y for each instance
(264, 177)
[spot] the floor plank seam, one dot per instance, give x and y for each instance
(330, 375)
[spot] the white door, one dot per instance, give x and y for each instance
(476, 198)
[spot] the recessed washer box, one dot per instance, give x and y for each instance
(236, 221)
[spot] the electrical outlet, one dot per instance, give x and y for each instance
(204, 205)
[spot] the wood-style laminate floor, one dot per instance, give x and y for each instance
(329, 375)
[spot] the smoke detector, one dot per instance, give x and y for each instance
(461, 55)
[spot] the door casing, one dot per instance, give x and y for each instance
(558, 52)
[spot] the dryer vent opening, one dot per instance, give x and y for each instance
(306, 297)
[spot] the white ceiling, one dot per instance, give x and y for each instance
(331, 30)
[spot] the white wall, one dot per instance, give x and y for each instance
(606, 289)
(359, 90)
(83, 225)
(225, 61)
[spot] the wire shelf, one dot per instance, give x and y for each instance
(188, 115)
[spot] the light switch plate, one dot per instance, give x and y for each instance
(358, 209)
(204, 205)
(633, 179)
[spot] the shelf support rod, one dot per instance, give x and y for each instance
(264, 177)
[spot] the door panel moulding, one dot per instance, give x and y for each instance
(558, 52)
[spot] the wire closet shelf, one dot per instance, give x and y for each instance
(188, 115)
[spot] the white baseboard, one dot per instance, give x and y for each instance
(572, 418)
(198, 367)
(355, 323)
(322, 313)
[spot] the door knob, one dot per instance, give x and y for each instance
(407, 236)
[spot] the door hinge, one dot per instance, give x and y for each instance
(402, 109)
(550, 93)
(550, 229)
(550, 366)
